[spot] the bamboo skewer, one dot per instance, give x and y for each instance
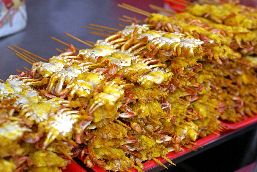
(168, 160)
(77, 39)
(131, 18)
(159, 163)
(59, 50)
(20, 50)
(22, 56)
(100, 30)
(60, 41)
(160, 9)
(134, 9)
(90, 42)
(103, 35)
(101, 26)
(121, 25)
(27, 69)
(19, 71)
(29, 53)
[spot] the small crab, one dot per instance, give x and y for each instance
(40, 111)
(111, 93)
(12, 130)
(140, 67)
(120, 58)
(84, 84)
(59, 125)
(64, 77)
(177, 42)
(101, 49)
(156, 76)
(46, 69)
(118, 39)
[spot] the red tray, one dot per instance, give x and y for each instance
(176, 5)
(172, 155)
(74, 167)
(152, 164)
(234, 126)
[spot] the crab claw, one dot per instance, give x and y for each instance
(94, 106)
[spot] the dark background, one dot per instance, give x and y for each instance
(54, 17)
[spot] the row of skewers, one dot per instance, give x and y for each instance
(136, 95)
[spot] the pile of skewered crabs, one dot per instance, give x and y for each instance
(137, 95)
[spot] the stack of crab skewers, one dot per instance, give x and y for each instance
(137, 95)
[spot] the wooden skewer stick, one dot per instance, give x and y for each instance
(27, 69)
(22, 56)
(131, 18)
(90, 42)
(121, 25)
(160, 163)
(61, 42)
(33, 59)
(99, 29)
(157, 8)
(77, 39)
(19, 71)
(126, 20)
(59, 50)
(103, 27)
(103, 35)
(134, 9)
(1, 80)
(168, 160)
(30, 53)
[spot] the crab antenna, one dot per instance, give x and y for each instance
(77, 39)
(134, 9)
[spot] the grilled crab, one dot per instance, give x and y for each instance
(59, 125)
(61, 78)
(101, 49)
(107, 99)
(40, 111)
(121, 37)
(84, 85)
